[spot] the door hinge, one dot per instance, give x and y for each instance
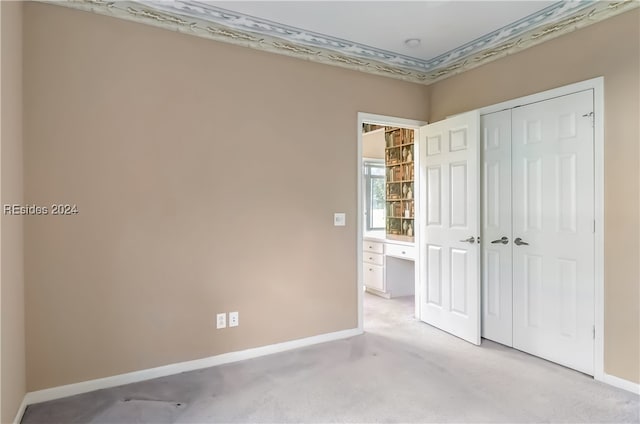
(594, 331)
(594, 226)
(590, 115)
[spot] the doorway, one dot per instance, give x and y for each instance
(386, 210)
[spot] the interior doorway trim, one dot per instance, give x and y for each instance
(390, 121)
(597, 85)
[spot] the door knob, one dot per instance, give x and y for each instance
(519, 242)
(469, 240)
(503, 240)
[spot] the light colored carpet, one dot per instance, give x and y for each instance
(401, 370)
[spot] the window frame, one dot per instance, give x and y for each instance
(367, 164)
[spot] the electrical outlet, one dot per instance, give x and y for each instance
(221, 321)
(234, 319)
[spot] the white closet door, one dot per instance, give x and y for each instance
(497, 298)
(553, 216)
(449, 262)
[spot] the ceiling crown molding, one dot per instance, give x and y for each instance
(204, 20)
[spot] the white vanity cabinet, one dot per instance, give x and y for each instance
(388, 267)
(373, 265)
(400, 251)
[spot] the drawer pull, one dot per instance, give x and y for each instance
(370, 258)
(404, 253)
(370, 269)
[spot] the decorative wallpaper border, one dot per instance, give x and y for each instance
(242, 22)
(204, 20)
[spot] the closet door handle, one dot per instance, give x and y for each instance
(520, 242)
(469, 240)
(503, 240)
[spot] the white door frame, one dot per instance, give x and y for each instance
(597, 85)
(391, 122)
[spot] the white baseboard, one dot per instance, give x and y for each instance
(225, 358)
(378, 292)
(20, 413)
(620, 383)
(148, 374)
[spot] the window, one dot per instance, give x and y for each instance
(374, 206)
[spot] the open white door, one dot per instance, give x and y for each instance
(450, 224)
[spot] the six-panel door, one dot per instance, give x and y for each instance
(553, 230)
(449, 158)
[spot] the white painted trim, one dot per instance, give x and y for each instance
(590, 84)
(421, 237)
(21, 409)
(598, 158)
(148, 374)
(359, 224)
(417, 225)
(377, 292)
(390, 121)
(620, 383)
(375, 160)
(597, 85)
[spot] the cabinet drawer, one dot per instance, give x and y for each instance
(373, 276)
(400, 251)
(373, 246)
(373, 258)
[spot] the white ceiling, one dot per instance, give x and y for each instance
(441, 25)
(369, 36)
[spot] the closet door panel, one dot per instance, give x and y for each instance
(496, 223)
(553, 215)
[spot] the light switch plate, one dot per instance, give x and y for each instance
(339, 219)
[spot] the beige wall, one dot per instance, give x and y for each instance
(12, 342)
(373, 144)
(206, 176)
(610, 49)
